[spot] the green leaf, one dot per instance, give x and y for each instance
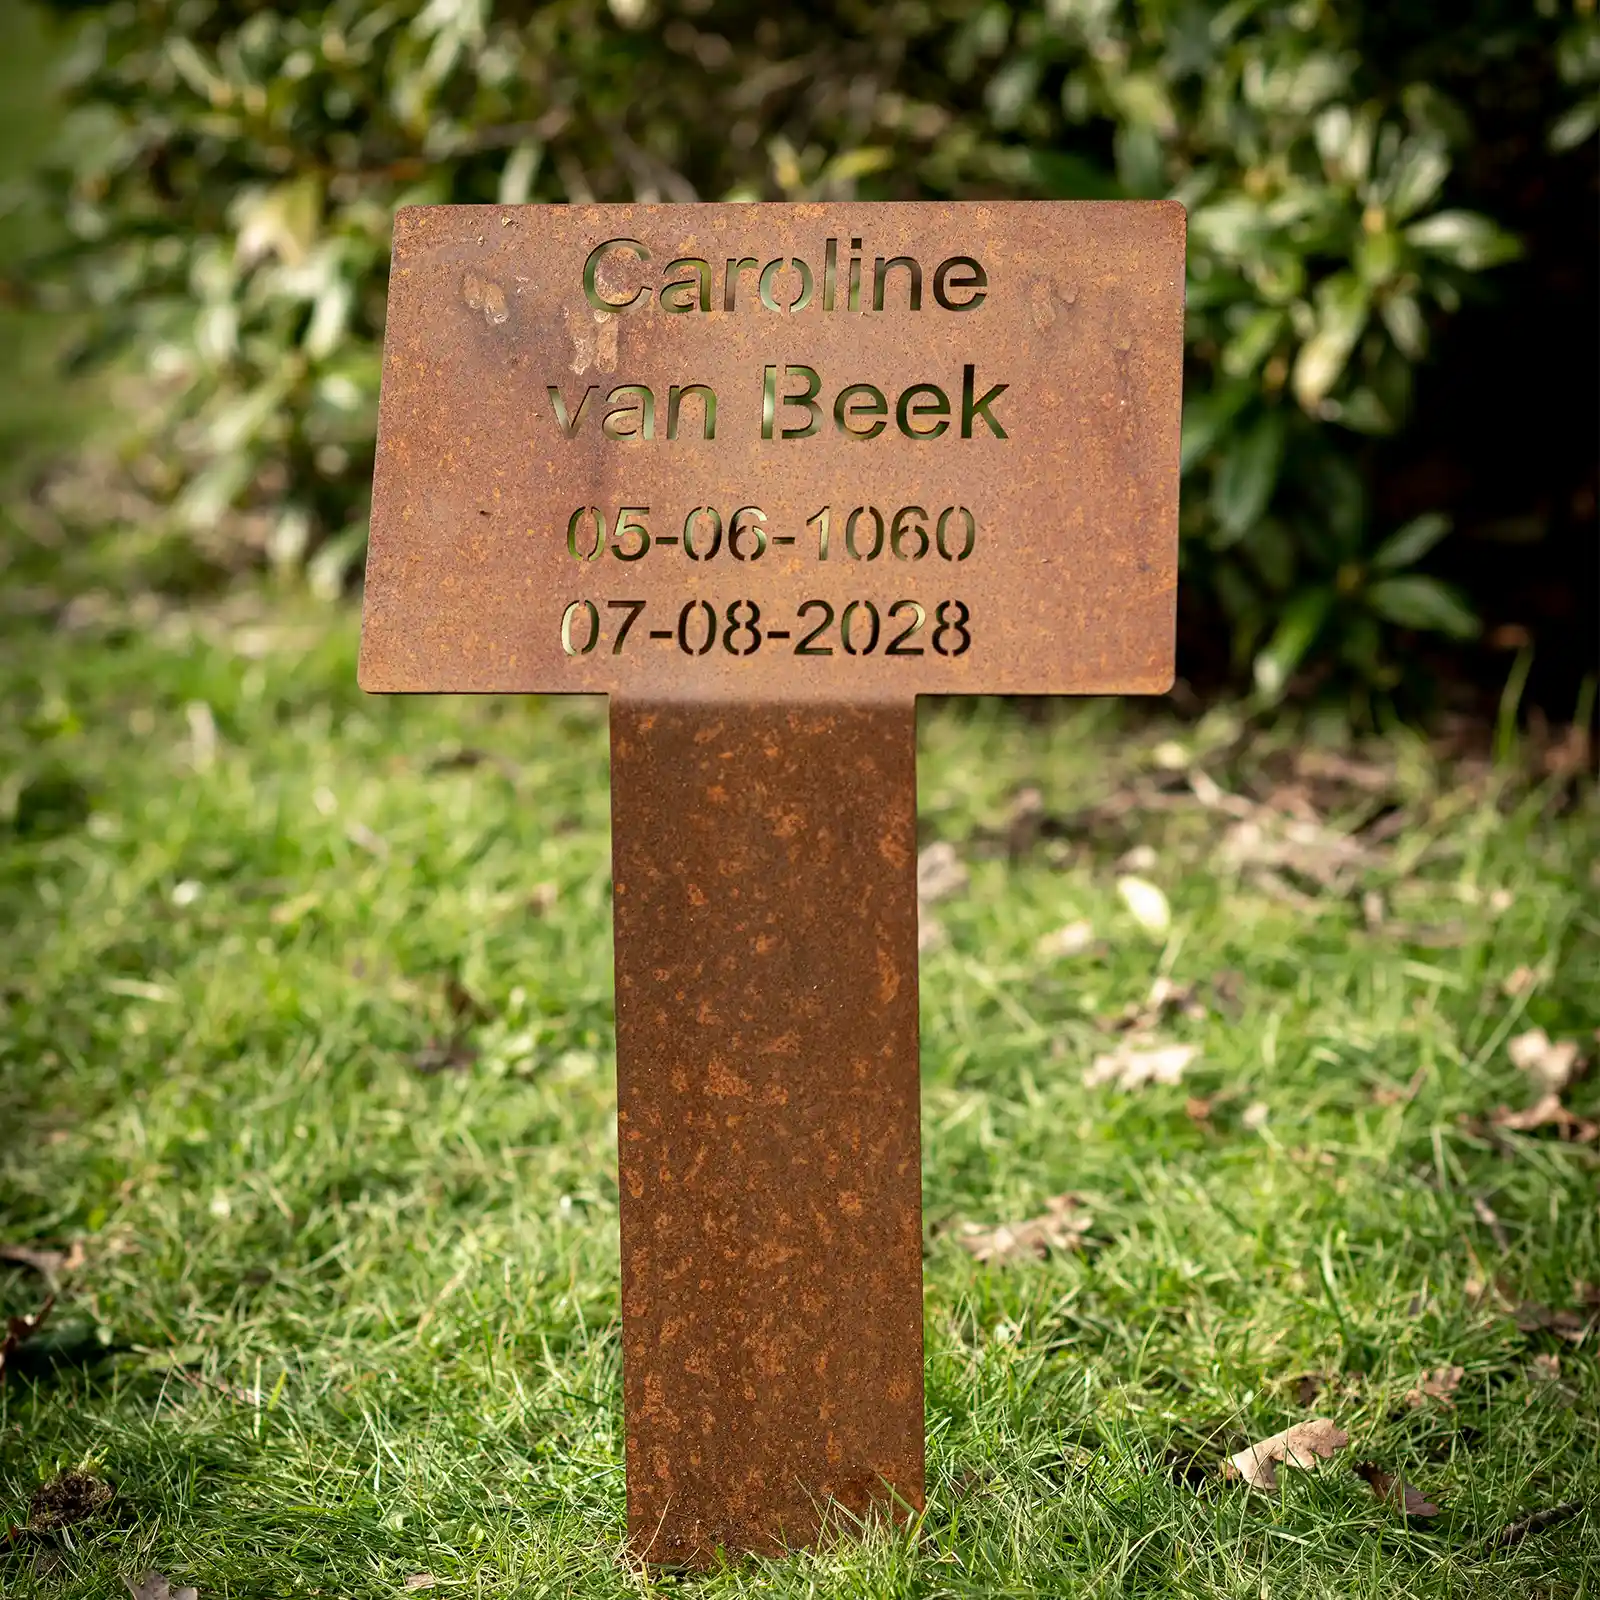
(1205, 420)
(1576, 126)
(1402, 316)
(1248, 474)
(1423, 603)
(1342, 307)
(1296, 632)
(1251, 345)
(1066, 175)
(1418, 173)
(1411, 543)
(1464, 239)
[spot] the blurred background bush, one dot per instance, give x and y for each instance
(1389, 440)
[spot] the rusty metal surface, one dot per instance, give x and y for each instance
(766, 968)
(1070, 582)
(763, 688)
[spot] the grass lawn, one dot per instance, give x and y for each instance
(307, 1043)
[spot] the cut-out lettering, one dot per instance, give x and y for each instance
(880, 274)
(698, 287)
(678, 393)
(898, 645)
(769, 282)
(591, 270)
(976, 280)
(972, 409)
(937, 405)
(848, 410)
(642, 406)
(569, 426)
(730, 281)
(770, 400)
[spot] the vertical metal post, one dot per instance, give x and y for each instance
(764, 860)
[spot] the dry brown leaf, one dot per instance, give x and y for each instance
(940, 872)
(1307, 1387)
(1072, 940)
(1546, 1368)
(1299, 1446)
(1061, 1228)
(68, 1498)
(21, 1329)
(1535, 1522)
(1165, 998)
(1395, 1491)
(1551, 1066)
(1532, 1317)
(1267, 841)
(421, 1580)
(1547, 1112)
(1522, 980)
(1131, 1067)
(152, 1586)
(1440, 1384)
(50, 1264)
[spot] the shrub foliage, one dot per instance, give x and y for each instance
(230, 171)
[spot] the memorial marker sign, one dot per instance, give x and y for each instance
(764, 474)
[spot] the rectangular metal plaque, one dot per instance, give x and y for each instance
(779, 452)
(764, 474)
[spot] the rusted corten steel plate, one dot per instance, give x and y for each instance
(975, 495)
(766, 959)
(764, 474)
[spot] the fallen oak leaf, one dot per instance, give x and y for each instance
(1550, 1065)
(1395, 1491)
(1165, 997)
(1130, 1068)
(1061, 1228)
(1531, 1317)
(1440, 1384)
(1299, 1446)
(68, 1498)
(1547, 1112)
(51, 1264)
(152, 1586)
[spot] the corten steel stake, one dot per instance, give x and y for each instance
(766, 966)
